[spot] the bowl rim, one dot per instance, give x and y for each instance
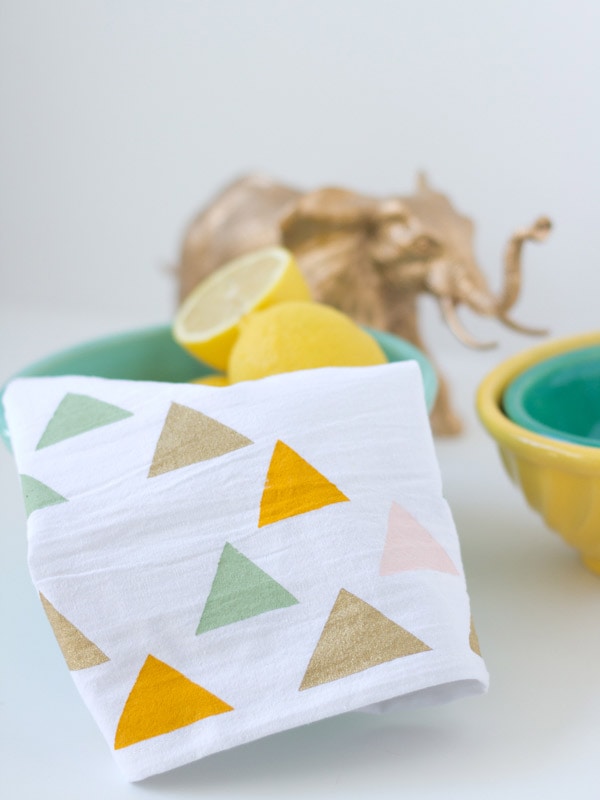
(535, 447)
(56, 359)
(516, 394)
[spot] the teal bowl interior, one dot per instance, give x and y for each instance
(559, 397)
(151, 354)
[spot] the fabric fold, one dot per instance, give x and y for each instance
(219, 564)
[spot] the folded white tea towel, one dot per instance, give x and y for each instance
(219, 564)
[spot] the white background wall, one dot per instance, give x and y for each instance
(120, 118)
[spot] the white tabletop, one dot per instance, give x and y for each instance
(536, 609)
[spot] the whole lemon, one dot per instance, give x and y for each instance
(299, 335)
(212, 380)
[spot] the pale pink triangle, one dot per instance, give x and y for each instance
(409, 546)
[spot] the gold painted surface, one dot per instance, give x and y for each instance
(189, 436)
(474, 639)
(356, 637)
(79, 652)
(371, 257)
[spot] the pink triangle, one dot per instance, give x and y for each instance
(409, 546)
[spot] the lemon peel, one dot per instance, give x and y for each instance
(299, 335)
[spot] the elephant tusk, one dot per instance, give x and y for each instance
(448, 307)
(516, 326)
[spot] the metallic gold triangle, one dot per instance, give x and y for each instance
(357, 637)
(189, 436)
(79, 652)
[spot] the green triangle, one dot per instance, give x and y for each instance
(78, 413)
(240, 590)
(37, 495)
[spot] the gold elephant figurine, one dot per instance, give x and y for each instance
(369, 257)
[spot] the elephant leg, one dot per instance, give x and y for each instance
(444, 420)
(400, 317)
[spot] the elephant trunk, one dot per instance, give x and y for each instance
(460, 288)
(512, 263)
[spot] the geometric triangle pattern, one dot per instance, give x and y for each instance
(188, 436)
(474, 639)
(78, 651)
(162, 700)
(293, 486)
(356, 637)
(193, 564)
(78, 413)
(240, 590)
(409, 546)
(37, 495)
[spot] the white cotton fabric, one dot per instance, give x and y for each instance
(130, 560)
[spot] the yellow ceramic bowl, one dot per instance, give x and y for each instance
(559, 479)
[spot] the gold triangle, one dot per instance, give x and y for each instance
(356, 637)
(189, 436)
(162, 700)
(294, 487)
(474, 639)
(78, 651)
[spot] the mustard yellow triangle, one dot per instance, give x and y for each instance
(78, 651)
(356, 637)
(294, 487)
(163, 700)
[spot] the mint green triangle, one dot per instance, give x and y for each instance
(78, 413)
(37, 495)
(240, 590)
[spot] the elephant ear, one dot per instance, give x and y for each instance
(244, 216)
(322, 214)
(441, 221)
(328, 231)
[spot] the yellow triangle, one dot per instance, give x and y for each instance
(189, 436)
(163, 700)
(78, 651)
(356, 637)
(294, 487)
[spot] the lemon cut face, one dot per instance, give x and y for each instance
(207, 323)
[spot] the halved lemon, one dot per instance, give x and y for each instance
(207, 323)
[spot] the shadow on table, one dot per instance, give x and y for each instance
(321, 752)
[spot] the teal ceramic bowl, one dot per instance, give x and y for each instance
(151, 354)
(559, 397)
